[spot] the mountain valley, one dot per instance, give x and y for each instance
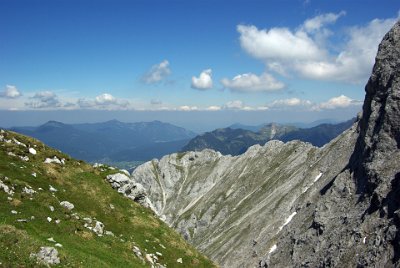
(268, 196)
(293, 204)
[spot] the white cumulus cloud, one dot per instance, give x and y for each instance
(157, 73)
(252, 83)
(44, 99)
(316, 23)
(237, 105)
(341, 101)
(305, 51)
(188, 108)
(204, 81)
(10, 92)
(213, 108)
(278, 44)
(103, 101)
(291, 102)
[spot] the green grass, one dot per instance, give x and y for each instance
(85, 187)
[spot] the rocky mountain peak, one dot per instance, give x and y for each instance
(379, 139)
(364, 230)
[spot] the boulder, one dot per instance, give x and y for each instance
(67, 205)
(47, 256)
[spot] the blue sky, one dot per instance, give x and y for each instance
(274, 57)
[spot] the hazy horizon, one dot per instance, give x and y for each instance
(184, 63)
(197, 121)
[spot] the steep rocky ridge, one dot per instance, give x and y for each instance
(295, 205)
(364, 229)
(233, 208)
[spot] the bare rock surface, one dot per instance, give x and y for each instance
(233, 208)
(355, 219)
(47, 256)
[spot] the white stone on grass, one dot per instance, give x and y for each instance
(47, 255)
(99, 228)
(67, 205)
(54, 160)
(52, 189)
(32, 151)
(24, 158)
(18, 142)
(5, 188)
(29, 191)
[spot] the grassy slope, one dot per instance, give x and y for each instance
(85, 187)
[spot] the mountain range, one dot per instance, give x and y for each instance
(235, 140)
(125, 144)
(104, 141)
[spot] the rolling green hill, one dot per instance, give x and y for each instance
(68, 208)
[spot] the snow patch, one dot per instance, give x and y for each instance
(288, 220)
(272, 249)
(318, 177)
(315, 180)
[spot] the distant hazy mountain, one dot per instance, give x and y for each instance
(246, 127)
(95, 141)
(257, 128)
(149, 151)
(235, 141)
(319, 135)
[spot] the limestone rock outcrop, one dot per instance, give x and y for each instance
(129, 188)
(355, 219)
(233, 208)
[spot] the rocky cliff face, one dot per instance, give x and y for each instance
(295, 205)
(355, 219)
